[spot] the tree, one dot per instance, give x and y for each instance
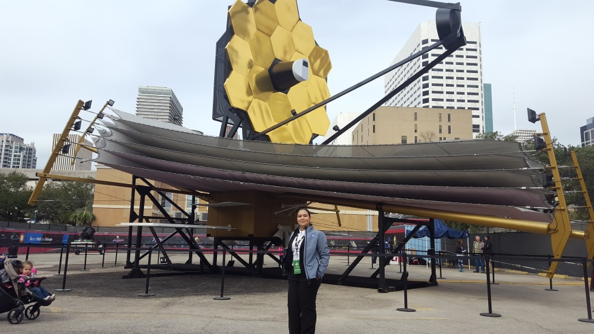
(14, 195)
(427, 136)
(463, 226)
(496, 136)
(59, 200)
(83, 217)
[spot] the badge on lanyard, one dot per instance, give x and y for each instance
(297, 245)
(296, 267)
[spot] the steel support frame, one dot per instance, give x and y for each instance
(261, 244)
(400, 245)
(144, 192)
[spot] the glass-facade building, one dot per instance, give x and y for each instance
(488, 108)
(14, 153)
(455, 83)
(587, 133)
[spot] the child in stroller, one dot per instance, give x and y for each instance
(15, 294)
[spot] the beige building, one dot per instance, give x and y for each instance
(64, 161)
(111, 205)
(403, 125)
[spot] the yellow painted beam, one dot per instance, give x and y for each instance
(52, 159)
(561, 224)
(119, 184)
(590, 229)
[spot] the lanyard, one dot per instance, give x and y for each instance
(298, 240)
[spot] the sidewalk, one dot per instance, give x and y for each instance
(102, 302)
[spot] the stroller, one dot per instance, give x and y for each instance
(14, 295)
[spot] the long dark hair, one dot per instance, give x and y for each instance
(303, 208)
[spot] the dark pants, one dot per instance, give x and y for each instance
(302, 304)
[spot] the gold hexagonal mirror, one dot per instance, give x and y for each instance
(269, 68)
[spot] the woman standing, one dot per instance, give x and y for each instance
(306, 260)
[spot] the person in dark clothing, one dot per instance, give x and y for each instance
(488, 250)
(306, 260)
(460, 252)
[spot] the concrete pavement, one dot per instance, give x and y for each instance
(102, 302)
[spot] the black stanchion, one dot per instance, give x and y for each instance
(63, 289)
(550, 279)
(493, 271)
(490, 313)
(400, 262)
(405, 278)
(588, 306)
(116, 255)
(103, 258)
(85, 265)
(60, 263)
(440, 261)
(148, 276)
(222, 297)
(348, 255)
(27, 256)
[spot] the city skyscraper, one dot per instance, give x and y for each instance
(160, 104)
(14, 153)
(83, 157)
(455, 83)
(488, 108)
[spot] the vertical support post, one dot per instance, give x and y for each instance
(405, 287)
(490, 313)
(348, 254)
(60, 263)
(27, 256)
(550, 277)
(148, 275)
(382, 247)
(440, 261)
(142, 191)
(132, 217)
(116, 255)
(433, 278)
(493, 271)
(222, 297)
(103, 257)
(86, 252)
(63, 289)
(588, 306)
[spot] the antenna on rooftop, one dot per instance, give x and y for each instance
(514, 102)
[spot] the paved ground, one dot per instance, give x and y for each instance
(102, 302)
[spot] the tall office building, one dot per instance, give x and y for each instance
(160, 104)
(83, 157)
(455, 83)
(523, 135)
(488, 108)
(14, 153)
(587, 133)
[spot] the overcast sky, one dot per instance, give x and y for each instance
(57, 52)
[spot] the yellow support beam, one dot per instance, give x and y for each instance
(561, 226)
(590, 229)
(202, 196)
(52, 159)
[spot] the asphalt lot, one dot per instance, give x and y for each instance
(102, 302)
